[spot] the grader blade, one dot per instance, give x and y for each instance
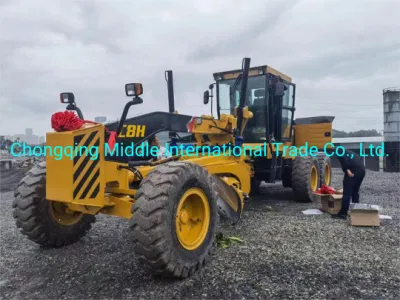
(228, 202)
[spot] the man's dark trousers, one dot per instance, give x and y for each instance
(351, 188)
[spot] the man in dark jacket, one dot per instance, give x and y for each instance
(354, 173)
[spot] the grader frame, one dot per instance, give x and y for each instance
(173, 205)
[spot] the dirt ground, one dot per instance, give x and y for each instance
(285, 255)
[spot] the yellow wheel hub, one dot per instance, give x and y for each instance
(327, 175)
(314, 178)
(192, 218)
(63, 215)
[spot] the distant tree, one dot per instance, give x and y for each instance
(363, 133)
(358, 133)
(338, 133)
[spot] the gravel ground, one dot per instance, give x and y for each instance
(286, 255)
(10, 178)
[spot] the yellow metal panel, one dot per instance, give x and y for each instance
(58, 166)
(77, 178)
(313, 134)
(117, 177)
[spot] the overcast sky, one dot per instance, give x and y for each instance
(341, 52)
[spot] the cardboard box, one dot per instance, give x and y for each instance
(364, 214)
(331, 204)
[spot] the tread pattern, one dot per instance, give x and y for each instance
(301, 178)
(153, 220)
(322, 161)
(31, 212)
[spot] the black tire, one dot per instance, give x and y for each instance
(255, 186)
(33, 216)
(301, 178)
(287, 176)
(325, 164)
(153, 221)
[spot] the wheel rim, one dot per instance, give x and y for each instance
(61, 214)
(314, 178)
(192, 218)
(327, 174)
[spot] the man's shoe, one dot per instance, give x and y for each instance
(339, 216)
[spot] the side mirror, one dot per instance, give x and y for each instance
(206, 97)
(133, 89)
(67, 98)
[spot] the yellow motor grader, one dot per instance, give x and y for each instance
(173, 204)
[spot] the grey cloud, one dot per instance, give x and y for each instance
(243, 38)
(358, 63)
(338, 52)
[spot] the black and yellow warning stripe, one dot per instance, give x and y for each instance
(86, 170)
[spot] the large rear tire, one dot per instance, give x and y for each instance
(47, 223)
(305, 178)
(325, 169)
(174, 219)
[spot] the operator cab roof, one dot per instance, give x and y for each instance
(254, 71)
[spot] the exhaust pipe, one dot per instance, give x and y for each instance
(171, 104)
(170, 85)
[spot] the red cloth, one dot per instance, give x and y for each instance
(65, 121)
(68, 121)
(324, 189)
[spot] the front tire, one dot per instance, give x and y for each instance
(174, 219)
(47, 223)
(305, 178)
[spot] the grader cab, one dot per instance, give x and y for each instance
(172, 205)
(295, 150)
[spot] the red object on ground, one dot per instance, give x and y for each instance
(324, 189)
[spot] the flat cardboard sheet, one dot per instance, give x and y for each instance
(312, 212)
(385, 217)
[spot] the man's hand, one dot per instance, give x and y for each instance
(349, 173)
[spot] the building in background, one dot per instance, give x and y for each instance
(28, 132)
(28, 138)
(360, 146)
(100, 119)
(391, 133)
